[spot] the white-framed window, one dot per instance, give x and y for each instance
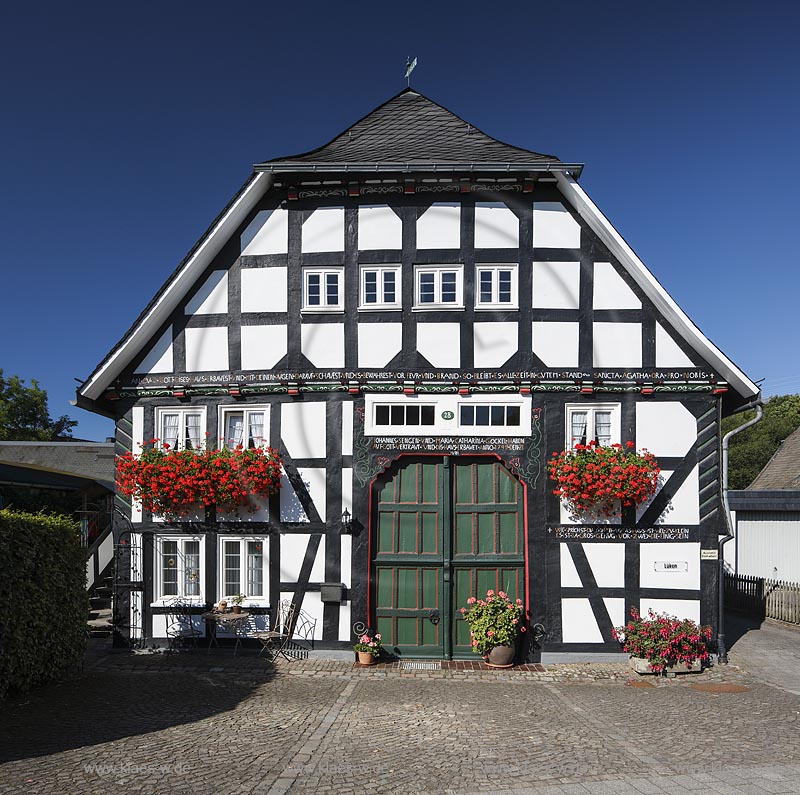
(600, 422)
(403, 415)
(323, 289)
(243, 568)
(380, 287)
(182, 428)
(496, 286)
(438, 287)
(245, 426)
(489, 415)
(180, 563)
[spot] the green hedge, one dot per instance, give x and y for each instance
(43, 604)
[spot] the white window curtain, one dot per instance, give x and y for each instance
(578, 431)
(602, 428)
(193, 431)
(255, 568)
(170, 424)
(234, 435)
(256, 419)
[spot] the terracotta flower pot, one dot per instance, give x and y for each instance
(501, 657)
(366, 658)
(237, 609)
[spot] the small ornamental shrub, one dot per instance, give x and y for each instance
(172, 482)
(664, 640)
(493, 621)
(370, 643)
(593, 478)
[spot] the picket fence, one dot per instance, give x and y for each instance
(763, 598)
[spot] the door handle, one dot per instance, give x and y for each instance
(433, 616)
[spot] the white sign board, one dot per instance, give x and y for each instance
(671, 565)
(709, 554)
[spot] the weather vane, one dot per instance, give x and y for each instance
(410, 66)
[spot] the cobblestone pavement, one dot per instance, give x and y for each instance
(197, 723)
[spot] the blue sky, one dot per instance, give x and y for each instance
(127, 127)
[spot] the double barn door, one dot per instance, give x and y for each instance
(445, 529)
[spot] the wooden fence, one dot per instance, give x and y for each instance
(763, 598)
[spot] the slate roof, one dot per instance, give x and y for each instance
(87, 460)
(783, 469)
(410, 128)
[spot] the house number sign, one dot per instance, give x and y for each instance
(671, 565)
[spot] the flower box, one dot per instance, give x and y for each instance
(642, 666)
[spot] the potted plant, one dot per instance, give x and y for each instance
(368, 647)
(494, 626)
(591, 478)
(237, 602)
(664, 644)
(172, 483)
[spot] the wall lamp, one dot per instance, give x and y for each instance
(347, 523)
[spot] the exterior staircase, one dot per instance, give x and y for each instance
(98, 623)
(99, 585)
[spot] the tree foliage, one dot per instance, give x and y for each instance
(750, 450)
(24, 416)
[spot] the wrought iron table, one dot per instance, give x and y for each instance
(228, 619)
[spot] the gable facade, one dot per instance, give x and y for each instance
(416, 343)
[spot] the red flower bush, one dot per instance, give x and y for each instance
(664, 640)
(171, 482)
(594, 478)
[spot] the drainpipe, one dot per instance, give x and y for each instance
(722, 652)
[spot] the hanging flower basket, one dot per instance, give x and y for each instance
(171, 483)
(591, 478)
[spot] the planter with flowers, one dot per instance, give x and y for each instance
(664, 644)
(495, 623)
(601, 480)
(368, 647)
(172, 483)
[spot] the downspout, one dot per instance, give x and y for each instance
(722, 652)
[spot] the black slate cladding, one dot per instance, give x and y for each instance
(412, 128)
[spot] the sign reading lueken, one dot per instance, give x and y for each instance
(671, 565)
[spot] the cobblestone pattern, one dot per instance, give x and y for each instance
(197, 723)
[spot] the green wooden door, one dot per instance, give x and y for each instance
(446, 529)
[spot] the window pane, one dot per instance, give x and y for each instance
(332, 289)
(448, 287)
(504, 294)
(234, 429)
(498, 415)
(485, 287)
(389, 287)
(426, 288)
(169, 568)
(481, 415)
(193, 431)
(381, 415)
(467, 415)
(191, 568)
(428, 417)
(255, 423)
(512, 415)
(412, 415)
(232, 568)
(371, 287)
(170, 428)
(314, 291)
(602, 427)
(578, 428)
(398, 415)
(255, 568)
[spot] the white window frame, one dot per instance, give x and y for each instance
(183, 412)
(245, 410)
(437, 271)
(253, 601)
(403, 406)
(381, 271)
(591, 410)
(160, 597)
(495, 302)
(447, 406)
(323, 273)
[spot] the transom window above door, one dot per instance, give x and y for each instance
(496, 287)
(323, 289)
(181, 428)
(600, 423)
(380, 287)
(438, 287)
(245, 427)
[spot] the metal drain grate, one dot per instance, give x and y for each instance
(419, 665)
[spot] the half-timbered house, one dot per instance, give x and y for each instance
(417, 315)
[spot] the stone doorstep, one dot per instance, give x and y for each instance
(452, 665)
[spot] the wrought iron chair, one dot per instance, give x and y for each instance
(275, 639)
(181, 628)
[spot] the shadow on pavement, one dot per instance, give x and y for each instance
(737, 625)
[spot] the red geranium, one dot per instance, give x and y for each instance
(595, 478)
(172, 482)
